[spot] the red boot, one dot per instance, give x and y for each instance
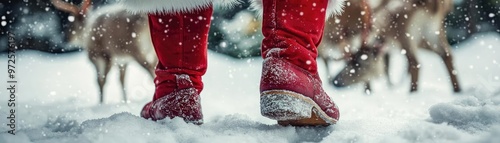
(180, 41)
(291, 90)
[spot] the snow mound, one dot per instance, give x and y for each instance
(488, 137)
(470, 113)
(428, 132)
(61, 124)
(125, 127)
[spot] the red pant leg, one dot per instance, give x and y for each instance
(180, 42)
(295, 27)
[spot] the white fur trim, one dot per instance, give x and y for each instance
(335, 7)
(172, 6)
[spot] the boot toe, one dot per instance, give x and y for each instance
(145, 112)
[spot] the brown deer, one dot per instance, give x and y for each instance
(111, 36)
(413, 24)
(341, 31)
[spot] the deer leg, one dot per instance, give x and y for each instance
(447, 57)
(443, 49)
(368, 88)
(102, 79)
(123, 70)
(414, 70)
(448, 61)
(102, 66)
(99, 66)
(413, 65)
(387, 59)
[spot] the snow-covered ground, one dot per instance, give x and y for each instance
(57, 102)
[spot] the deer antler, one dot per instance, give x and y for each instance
(85, 6)
(71, 8)
(64, 6)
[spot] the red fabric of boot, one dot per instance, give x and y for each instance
(295, 27)
(180, 42)
(292, 31)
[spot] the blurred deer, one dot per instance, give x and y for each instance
(341, 31)
(413, 24)
(111, 36)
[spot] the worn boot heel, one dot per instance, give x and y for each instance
(290, 108)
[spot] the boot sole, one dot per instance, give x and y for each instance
(290, 108)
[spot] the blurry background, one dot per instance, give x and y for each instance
(39, 26)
